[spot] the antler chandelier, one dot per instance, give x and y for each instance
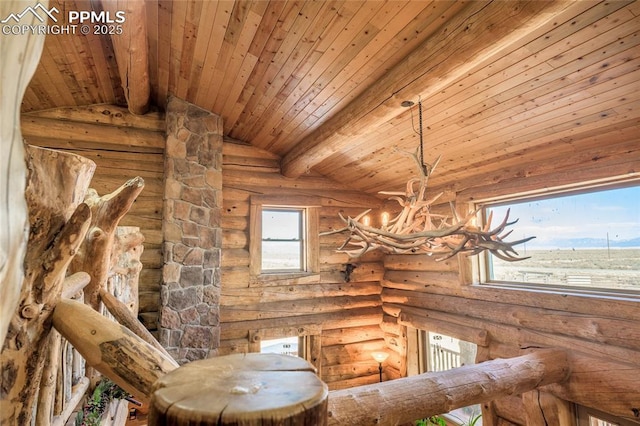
(416, 230)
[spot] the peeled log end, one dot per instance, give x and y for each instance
(247, 389)
(111, 348)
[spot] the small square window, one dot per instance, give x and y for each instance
(284, 346)
(284, 244)
(283, 241)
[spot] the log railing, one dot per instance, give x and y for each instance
(239, 385)
(408, 399)
(122, 287)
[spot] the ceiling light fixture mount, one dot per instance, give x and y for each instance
(415, 229)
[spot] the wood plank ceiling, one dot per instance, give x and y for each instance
(320, 83)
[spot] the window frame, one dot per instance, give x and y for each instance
(311, 240)
(309, 341)
(301, 242)
(584, 414)
(480, 267)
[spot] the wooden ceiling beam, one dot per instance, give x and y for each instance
(132, 52)
(465, 42)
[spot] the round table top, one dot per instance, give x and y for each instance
(240, 389)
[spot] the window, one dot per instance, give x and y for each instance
(587, 241)
(302, 340)
(284, 346)
(591, 417)
(283, 246)
(284, 242)
(439, 352)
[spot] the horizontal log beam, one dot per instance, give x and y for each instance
(72, 131)
(407, 399)
(424, 73)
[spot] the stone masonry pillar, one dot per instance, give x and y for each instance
(190, 291)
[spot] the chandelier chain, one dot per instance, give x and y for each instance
(425, 168)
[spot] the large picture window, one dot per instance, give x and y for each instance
(586, 241)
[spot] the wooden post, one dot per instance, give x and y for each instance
(132, 53)
(20, 57)
(46, 397)
(411, 398)
(246, 389)
(545, 409)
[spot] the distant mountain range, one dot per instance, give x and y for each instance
(595, 243)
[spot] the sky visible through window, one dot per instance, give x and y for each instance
(282, 240)
(578, 221)
(589, 240)
(280, 224)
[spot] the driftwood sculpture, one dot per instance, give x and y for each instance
(95, 256)
(58, 223)
(417, 230)
(61, 226)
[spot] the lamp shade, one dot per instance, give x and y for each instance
(380, 356)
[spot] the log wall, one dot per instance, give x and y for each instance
(122, 146)
(346, 315)
(601, 334)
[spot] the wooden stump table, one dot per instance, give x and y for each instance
(241, 389)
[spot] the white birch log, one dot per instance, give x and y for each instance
(20, 56)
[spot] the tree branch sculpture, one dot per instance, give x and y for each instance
(58, 223)
(415, 229)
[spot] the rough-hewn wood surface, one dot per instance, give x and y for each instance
(132, 52)
(20, 55)
(95, 255)
(251, 389)
(405, 400)
(345, 314)
(58, 223)
(123, 146)
(111, 348)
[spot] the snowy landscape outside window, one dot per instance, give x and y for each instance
(585, 241)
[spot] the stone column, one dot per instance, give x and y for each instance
(190, 292)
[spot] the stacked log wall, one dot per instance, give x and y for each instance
(122, 146)
(602, 335)
(346, 315)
